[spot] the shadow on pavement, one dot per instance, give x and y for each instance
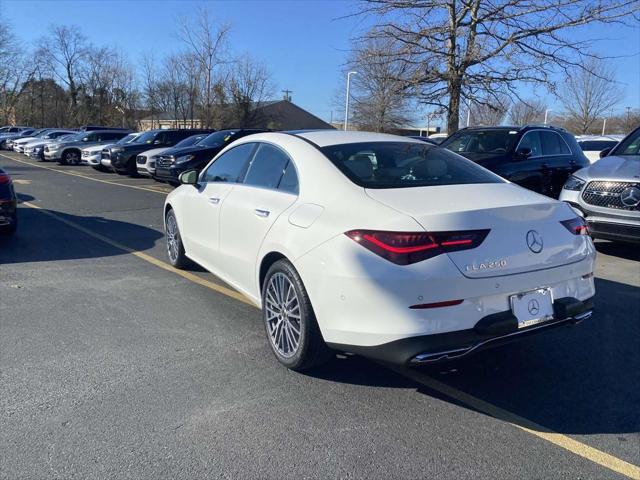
(573, 380)
(42, 238)
(625, 251)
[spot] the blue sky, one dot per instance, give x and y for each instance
(304, 43)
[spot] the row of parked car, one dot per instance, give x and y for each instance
(542, 158)
(161, 154)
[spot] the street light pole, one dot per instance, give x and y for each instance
(604, 125)
(546, 113)
(346, 107)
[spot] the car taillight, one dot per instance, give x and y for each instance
(576, 225)
(4, 179)
(405, 248)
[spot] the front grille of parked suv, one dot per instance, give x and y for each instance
(607, 194)
(164, 161)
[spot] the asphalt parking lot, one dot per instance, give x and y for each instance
(114, 365)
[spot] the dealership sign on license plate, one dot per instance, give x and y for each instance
(532, 307)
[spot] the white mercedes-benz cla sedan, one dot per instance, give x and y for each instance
(380, 245)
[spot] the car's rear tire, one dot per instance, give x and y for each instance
(175, 248)
(289, 320)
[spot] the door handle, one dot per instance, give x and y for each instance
(214, 200)
(262, 213)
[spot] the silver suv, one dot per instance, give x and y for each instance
(608, 192)
(67, 151)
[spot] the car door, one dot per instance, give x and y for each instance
(557, 160)
(251, 209)
(200, 212)
(527, 170)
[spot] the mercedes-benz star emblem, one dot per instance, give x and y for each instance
(534, 241)
(630, 197)
(533, 306)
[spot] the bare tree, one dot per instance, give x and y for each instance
(588, 94)
(208, 43)
(15, 70)
(526, 111)
(249, 84)
(461, 49)
(65, 51)
(489, 111)
(380, 99)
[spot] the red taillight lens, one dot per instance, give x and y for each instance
(576, 225)
(4, 179)
(405, 248)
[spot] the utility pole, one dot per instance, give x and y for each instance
(287, 94)
(546, 114)
(346, 107)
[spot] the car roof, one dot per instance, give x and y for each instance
(324, 138)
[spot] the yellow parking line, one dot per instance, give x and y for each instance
(593, 454)
(578, 448)
(74, 174)
(147, 258)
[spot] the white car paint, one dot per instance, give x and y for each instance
(591, 154)
(149, 157)
(360, 298)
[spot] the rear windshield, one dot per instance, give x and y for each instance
(483, 141)
(596, 145)
(404, 164)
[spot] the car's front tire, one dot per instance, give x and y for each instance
(175, 248)
(70, 158)
(289, 320)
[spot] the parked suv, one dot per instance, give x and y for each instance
(123, 157)
(537, 157)
(608, 192)
(172, 162)
(67, 152)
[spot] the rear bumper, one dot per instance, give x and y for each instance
(492, 330)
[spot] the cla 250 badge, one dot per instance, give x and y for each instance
(486, 265)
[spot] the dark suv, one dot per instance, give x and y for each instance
(123, 157)
(172, 162)
(537, 157)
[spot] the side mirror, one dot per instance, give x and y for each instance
(190, 177)
(157, 142)
(524, 152)
(605, 152)
(85, 139)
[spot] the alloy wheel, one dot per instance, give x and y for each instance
(173, 238)
(282, 308)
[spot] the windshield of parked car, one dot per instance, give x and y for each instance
(217, 139)
(630, 145)
(404, 164)
(147, 137)
(74, 137)
(192, 140)
(131, 138)
(482, 141)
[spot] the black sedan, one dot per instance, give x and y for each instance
(171, 163)
(8, 205)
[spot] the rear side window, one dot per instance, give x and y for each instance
(229, 165)
(289, 180)
(531, 140)
(553, 144)
(404, 164)
(267, 167)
